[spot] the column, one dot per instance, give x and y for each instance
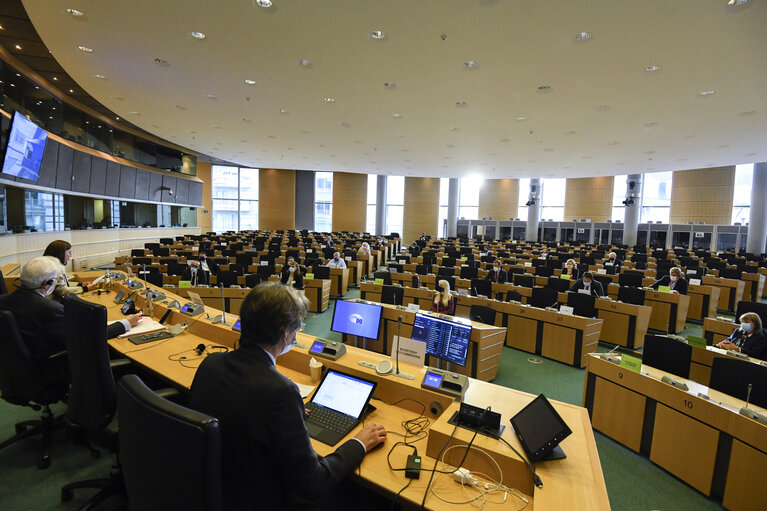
(631, 211)
(452, 207)
(381, 206)
(757, 222)
(533, 210)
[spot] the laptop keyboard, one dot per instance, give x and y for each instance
(330, 419)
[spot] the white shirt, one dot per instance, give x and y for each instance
(333, 264)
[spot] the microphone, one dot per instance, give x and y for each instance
(399, 326)
(396, 356)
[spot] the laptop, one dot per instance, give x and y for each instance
(337, 406)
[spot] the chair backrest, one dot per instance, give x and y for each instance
(422, 269)
(630, 278)
(513, 295)
(481, 287)
(582, 304)
(154, 278)
(383, 275)
(543, 297)
(323, 272)
(633, 295)
(482, 314)
(176, 269)
(732, 376)
(227, 278)
(237, 268)
(170, 454)
(667, 354)
(392, 295)
(559, 284)
(252, 279)
(20, 380)
(760, 309)
(3, 288)
(468, 272)
(92, 397)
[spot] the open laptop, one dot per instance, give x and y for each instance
(337, 406)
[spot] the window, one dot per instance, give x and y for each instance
(44, 211)
(468, 197)
(370, 222)
(235, 198)
(395, 203)
(656, 197)
(323, 201)
(553, 199)
(444, 196)
(741, 197)
(114, 208)
(619, 195)
(524, 193)
(163, 215)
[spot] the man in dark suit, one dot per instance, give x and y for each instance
(496, 274)
(41, 321)
(674, 280)
(208, 266)
(612, 264)
(194, 274)
(587, 282)
(267, 457)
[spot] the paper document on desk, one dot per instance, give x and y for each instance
(145, 326)
(305, 390)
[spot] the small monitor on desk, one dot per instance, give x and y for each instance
(356, 318)
(582, 304)
(445, 339)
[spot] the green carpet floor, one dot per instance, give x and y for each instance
(633, 482)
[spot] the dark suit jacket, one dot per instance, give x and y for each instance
(754, 345)
(298, 278)
(503, 276)
(616, 267)
(573, 276)
(202, 276)
(211, 265)
(267, 459)
(41, 322)
(596, 287)
(680, 285)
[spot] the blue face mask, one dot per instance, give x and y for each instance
(746, 327)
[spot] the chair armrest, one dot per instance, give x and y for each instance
(168, 393)
(119, 362)
(57, 355)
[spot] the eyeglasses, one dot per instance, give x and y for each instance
(301, 328)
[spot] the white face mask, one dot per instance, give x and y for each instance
(570, 266)
(497, 268)
(288, 347)
(291, 269)
(673, 278)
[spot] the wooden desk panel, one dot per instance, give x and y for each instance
(730, 291)
(339, 281)
(625, 324)
(703, 301)
(742, 492)
(753, 285)
(318, 293)
(716, 330)
(624, 425)
(669, 310)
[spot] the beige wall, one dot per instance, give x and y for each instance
(702, 195)
(204, 220)
(421, 208)
(499, 199)
(589, 197)
(277, 199)
(350, 192)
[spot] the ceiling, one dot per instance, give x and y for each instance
(603, 113)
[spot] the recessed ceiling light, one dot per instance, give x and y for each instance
(706, 92)
(160, 62)
(74, 12)
(283, 111)
(117, 118)
(604, 107)
(583, 36)
(613, 142)
(747, 113)
(55, 79)
(85, 49)
(197, 35)
(99, 77)
(470, 64)
(521, 118)
(346, 125)
(544, 88)
(250, 82)
(390, 85)
(397, 116)
(460, 103)
(653, 68)
(454, 128)
(377, 34)
(304, 62)
(18, 47)
(264, 3)
(210, 96)
(737, 2)
(329, 100)
(71, 91)
(134, 113)
(651, 124)
(691, 135)
(571, 132)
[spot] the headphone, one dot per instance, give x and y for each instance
(200, 348)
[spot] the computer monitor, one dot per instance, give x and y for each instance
(396, 268)
(481, 287)
(445, 339)
(630, 278)
(446, 272)
(524, 280)
(24, 150)
(543, 297)
(633, 295)
(383, 275)
(356, 318)
(582, 304)
(393, 295)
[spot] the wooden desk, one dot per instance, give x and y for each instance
(703, 301)
(625, 324)
(703, 359)
(339, 281)
(355, 272)
(211, 297)
(705, 443)
(716, 330)
(731, 291)
(754, 283)
(318, 293)
(669, 310)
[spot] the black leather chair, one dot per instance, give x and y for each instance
(3, 288)
(482, 314)
(667, 354)
(170, 454)
(512, 295)
(732, 376)
(153, 278)
(23, 383)
(252, 279)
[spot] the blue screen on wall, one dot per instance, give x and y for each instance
(26, 144)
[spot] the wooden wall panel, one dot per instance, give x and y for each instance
(350, 192)
(421, 208)
(205, 220)
(589, 197)
(499, 199)
(702, 195)
(277, 199)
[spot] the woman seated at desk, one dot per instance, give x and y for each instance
(291, 274)
(674, 280)
(571, 269)
(749, 339)
(365, 248)
(444, 303)
(62, 250)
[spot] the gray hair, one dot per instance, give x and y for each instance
(38, 271)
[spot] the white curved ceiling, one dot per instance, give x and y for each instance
(603, 114)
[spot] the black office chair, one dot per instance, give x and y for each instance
(322, 272)
(482, 314)
(252, 280)
(512, 295)
(758, 308)
(170, 455)
(153, 278)
(238, 269)
(24, 383)
(227, 278)
(3, 288)
(468, 272)
(732, 376)
(385, 276)
(633, 295)
(667, 354)
(543, 297)
(393, 295)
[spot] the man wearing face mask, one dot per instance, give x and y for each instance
(587, 283)
(41, 321)
(267, 460)
(336, 262)
(195, 274)
(291, 274)
(208, 266)
(496, 274)
(674, 280)
(612, 264)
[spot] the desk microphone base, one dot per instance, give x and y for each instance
(403, 375)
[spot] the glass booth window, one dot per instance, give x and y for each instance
(323, 201)
(656, 197)
(370, 220)
(395, 203)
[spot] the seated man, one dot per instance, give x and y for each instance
(337, 261)
(268, 461)
(41, 321)
(588, 283)
(194, 274)
(496, 274)
(612, 264)
(674, 280)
